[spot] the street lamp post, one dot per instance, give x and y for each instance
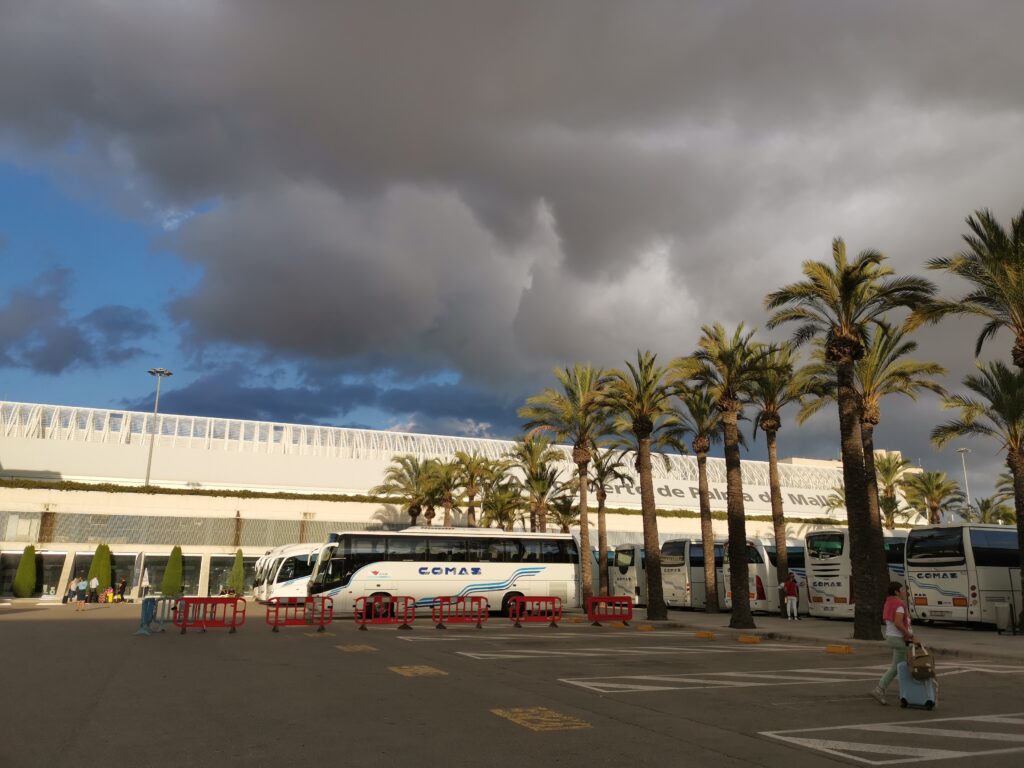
(159, 373)
(963, 460)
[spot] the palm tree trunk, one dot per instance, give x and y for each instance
(739, 571)
(586, 574)
(867, 438)
(542, 517)
(778, 521)
(707, 537)
(867, 616)
(1015, 461)
(656, 609)
(447, 514)
(470, 510)
(602, 543)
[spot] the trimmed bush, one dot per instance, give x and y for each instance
(170, 586)
(236, 579)
(25, 576)
(101, 567)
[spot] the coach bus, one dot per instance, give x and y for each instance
(426, 564)
(627, 575)
(762, 576)
(288, 571)
(830, 570)
(682, 574)
(963, 572)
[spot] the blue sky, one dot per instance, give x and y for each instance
(405, 217)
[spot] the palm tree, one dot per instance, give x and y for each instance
(445, 483)
(932, 493)
(573, 413)
(565, 513)
(533, 457)
(990, 511)
(841, 303)
(702, 422)
(727, 367)
(642, 396)
(405, 479)
(994, 263)
(473, 469)
(775, 387)
(605, 471)
(502, 506)
(836, 499)
(996, 411)
(889, 468)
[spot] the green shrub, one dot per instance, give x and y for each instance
(25, 577)
(171, 584)
(101, 567)
(236, 579)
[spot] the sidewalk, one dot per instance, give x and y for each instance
(954, 640)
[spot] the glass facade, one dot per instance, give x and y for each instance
(220, 569)
(48, 569)
(153, 567)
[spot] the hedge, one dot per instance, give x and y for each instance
(170, 586)
(236, 580)
(25, 576)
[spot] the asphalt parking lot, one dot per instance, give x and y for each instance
(81, 689)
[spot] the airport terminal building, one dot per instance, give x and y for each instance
(98, 446)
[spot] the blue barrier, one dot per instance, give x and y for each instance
(156, 611)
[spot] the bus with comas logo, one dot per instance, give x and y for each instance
(428, 563)
(683, 577)
(963, 572)
(763, 575)
(830, 570)
(627, 574)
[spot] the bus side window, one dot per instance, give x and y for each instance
(531, 551)
(479, 551)
(550, 552)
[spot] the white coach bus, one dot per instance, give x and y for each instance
(288, 570)
(963, 572)
(761, 578)
(682, 574)
(627, 575)
(830, 570)
(425, 564)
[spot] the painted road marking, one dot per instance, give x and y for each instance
(318, 634)
(355, 648)
(419, 671)
(541, 719)
(945, 741)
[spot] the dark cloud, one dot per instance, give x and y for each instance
(494, 190)
(39, 332)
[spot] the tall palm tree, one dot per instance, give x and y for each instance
(991, 511)
(574, 413)
(473, 469)
(407, 479)
(566, 513)
(996, 410)
(889, 468)
(444, 480)
(502, 505)
(606, 470)
(841, 303)
(994, 263)
(641, 396)
(836, 499)
(775, 387)
(533, 457)
(932, 493)
(702, 422)
(727, 366)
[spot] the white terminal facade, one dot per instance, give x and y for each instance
(64, 443)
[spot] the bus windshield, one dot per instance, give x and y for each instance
(794, 556)
(894, 550)
(936, 544)
(624, 557)
(824, 546)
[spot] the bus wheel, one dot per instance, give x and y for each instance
(506, 603)
(387, 609)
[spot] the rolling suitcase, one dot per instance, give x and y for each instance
(923, 694)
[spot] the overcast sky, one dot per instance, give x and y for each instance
(405, 214)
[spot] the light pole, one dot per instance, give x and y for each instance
(160, 373)
(963, 460)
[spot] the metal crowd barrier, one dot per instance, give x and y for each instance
(300, 611)
(459, 610)
(607, 608)
(385, 609)
(535, 610)
(157, 611)
(209, 612)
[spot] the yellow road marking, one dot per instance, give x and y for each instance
(355, 648)
(421, 671)
(704, 635)
(541, 719)
(749, 639)
(838, 649)
(318, 634)
(645, 628)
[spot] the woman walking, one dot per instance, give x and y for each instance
(898, 635)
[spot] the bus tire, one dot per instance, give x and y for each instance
(506, 602)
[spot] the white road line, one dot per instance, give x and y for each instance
(946, 734)
(844, 748)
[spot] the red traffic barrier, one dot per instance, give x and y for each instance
(385, 609)
(460, 610)
(300, 611)
(535, 610)
(605, 608)
(209, 612)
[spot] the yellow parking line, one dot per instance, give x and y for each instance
(318, 634)
(541, 719)
(421, 671)
(355, 648)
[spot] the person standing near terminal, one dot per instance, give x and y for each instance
(792, 590)
(94, 589)
(898, 635)
(69, 596)
(83, 585)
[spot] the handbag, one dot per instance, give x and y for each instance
(922, 662)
